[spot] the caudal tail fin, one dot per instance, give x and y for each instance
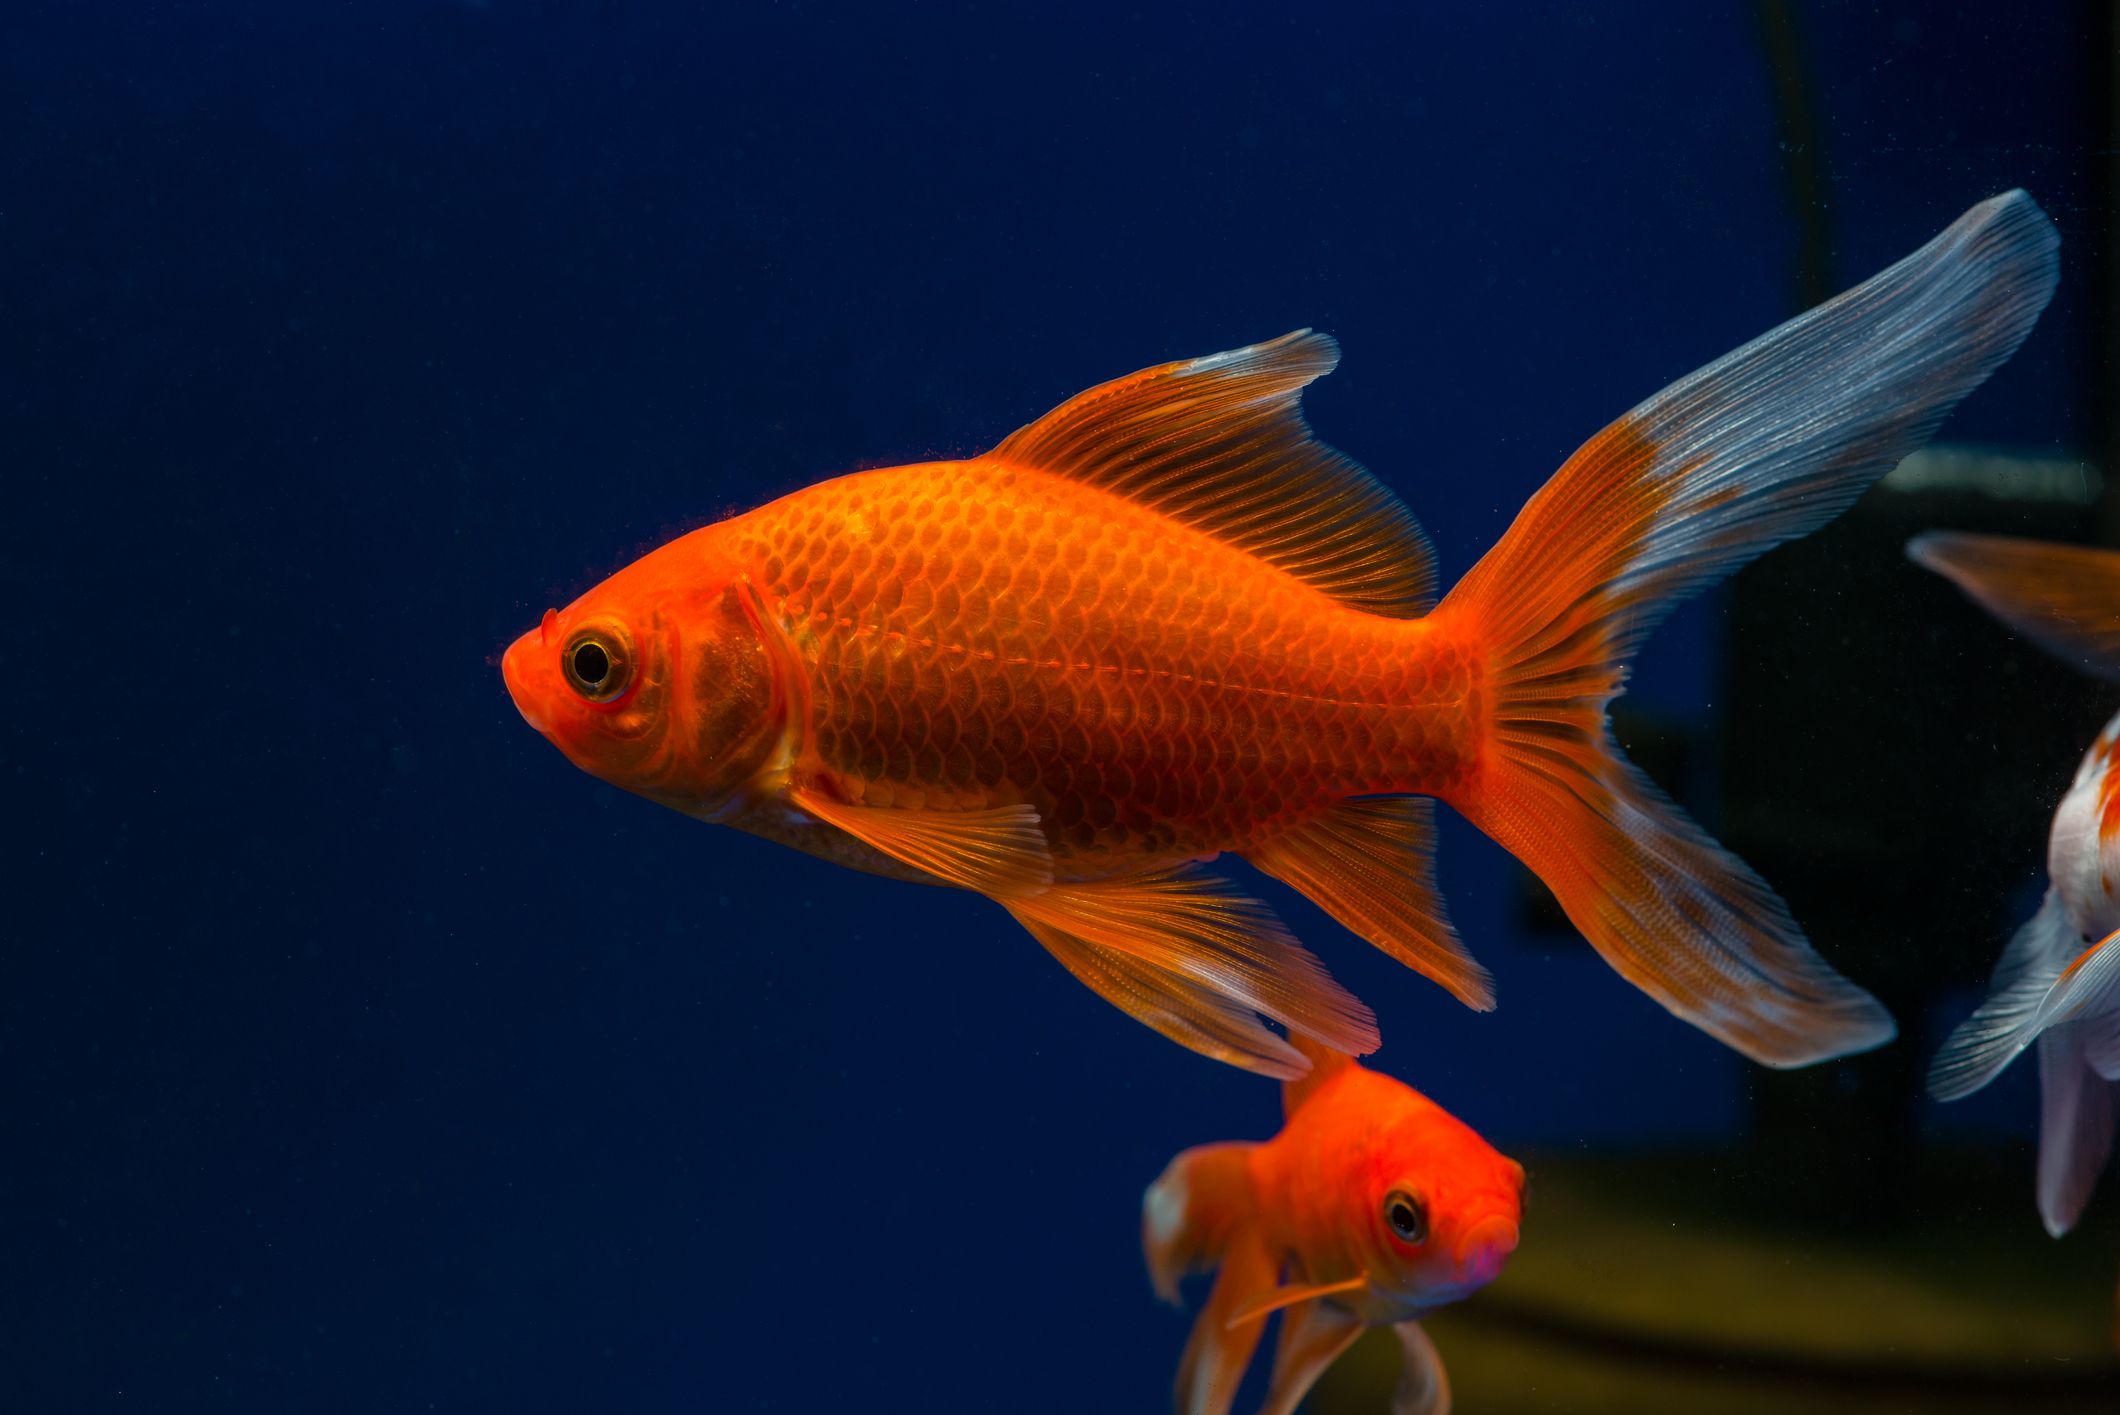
(1765, 444)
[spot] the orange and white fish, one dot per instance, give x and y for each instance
(2059, 979)
(1372, 1207)
(1163, 622)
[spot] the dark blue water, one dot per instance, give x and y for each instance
(356, 1052)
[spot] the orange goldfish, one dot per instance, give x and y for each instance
(1372, 1207)
(1164, 622)
(2058, 983)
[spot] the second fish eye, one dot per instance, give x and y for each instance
(1407, 1216)
(595, 665)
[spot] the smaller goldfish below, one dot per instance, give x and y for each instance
(1372, 1207)
(2058, 983)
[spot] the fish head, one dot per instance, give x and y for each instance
(659, 681)
(1440, 1214)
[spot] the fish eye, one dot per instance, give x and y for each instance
(591, 664)
(596, 665)
(1407, 1216)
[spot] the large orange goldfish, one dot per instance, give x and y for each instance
(1164, 622)
(1372, 1207)
(2058, 983)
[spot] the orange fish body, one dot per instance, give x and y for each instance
(1164, 622)
(1372, 1207)
(984, 635)
(970, 636)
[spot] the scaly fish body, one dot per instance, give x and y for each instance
(1164, 622)
(976, 636)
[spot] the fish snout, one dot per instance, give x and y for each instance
(516, 673)
(1484, 1246)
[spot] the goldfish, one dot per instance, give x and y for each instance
(1165, 623)
(1372, 1207)
(2058, 981)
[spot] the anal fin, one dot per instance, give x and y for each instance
(1370, 864)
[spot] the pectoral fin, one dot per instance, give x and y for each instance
(998, 851)
(1313, 1336)
(1281, 1297)
(2033, 994)
(1424, 1387)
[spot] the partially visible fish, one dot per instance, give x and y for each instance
(1372, 1207)
(1164, 622)
(2058, 983)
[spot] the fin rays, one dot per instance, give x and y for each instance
(1763, 445)
(1180, 951)
(1220, 444)
(2065, 598)
(1371, 865)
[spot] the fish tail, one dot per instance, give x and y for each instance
(1762, 446)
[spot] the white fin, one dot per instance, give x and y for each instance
(1424, 1386)
(2034, 992)
(1763, 445)
(2075, 1129)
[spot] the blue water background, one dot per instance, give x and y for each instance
(356, 1052)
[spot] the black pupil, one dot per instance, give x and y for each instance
(1404, 1219)
(591, 664)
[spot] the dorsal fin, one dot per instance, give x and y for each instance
(1325, 1063)
(1220, 444)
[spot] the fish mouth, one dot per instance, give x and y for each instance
(1484, 1247)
